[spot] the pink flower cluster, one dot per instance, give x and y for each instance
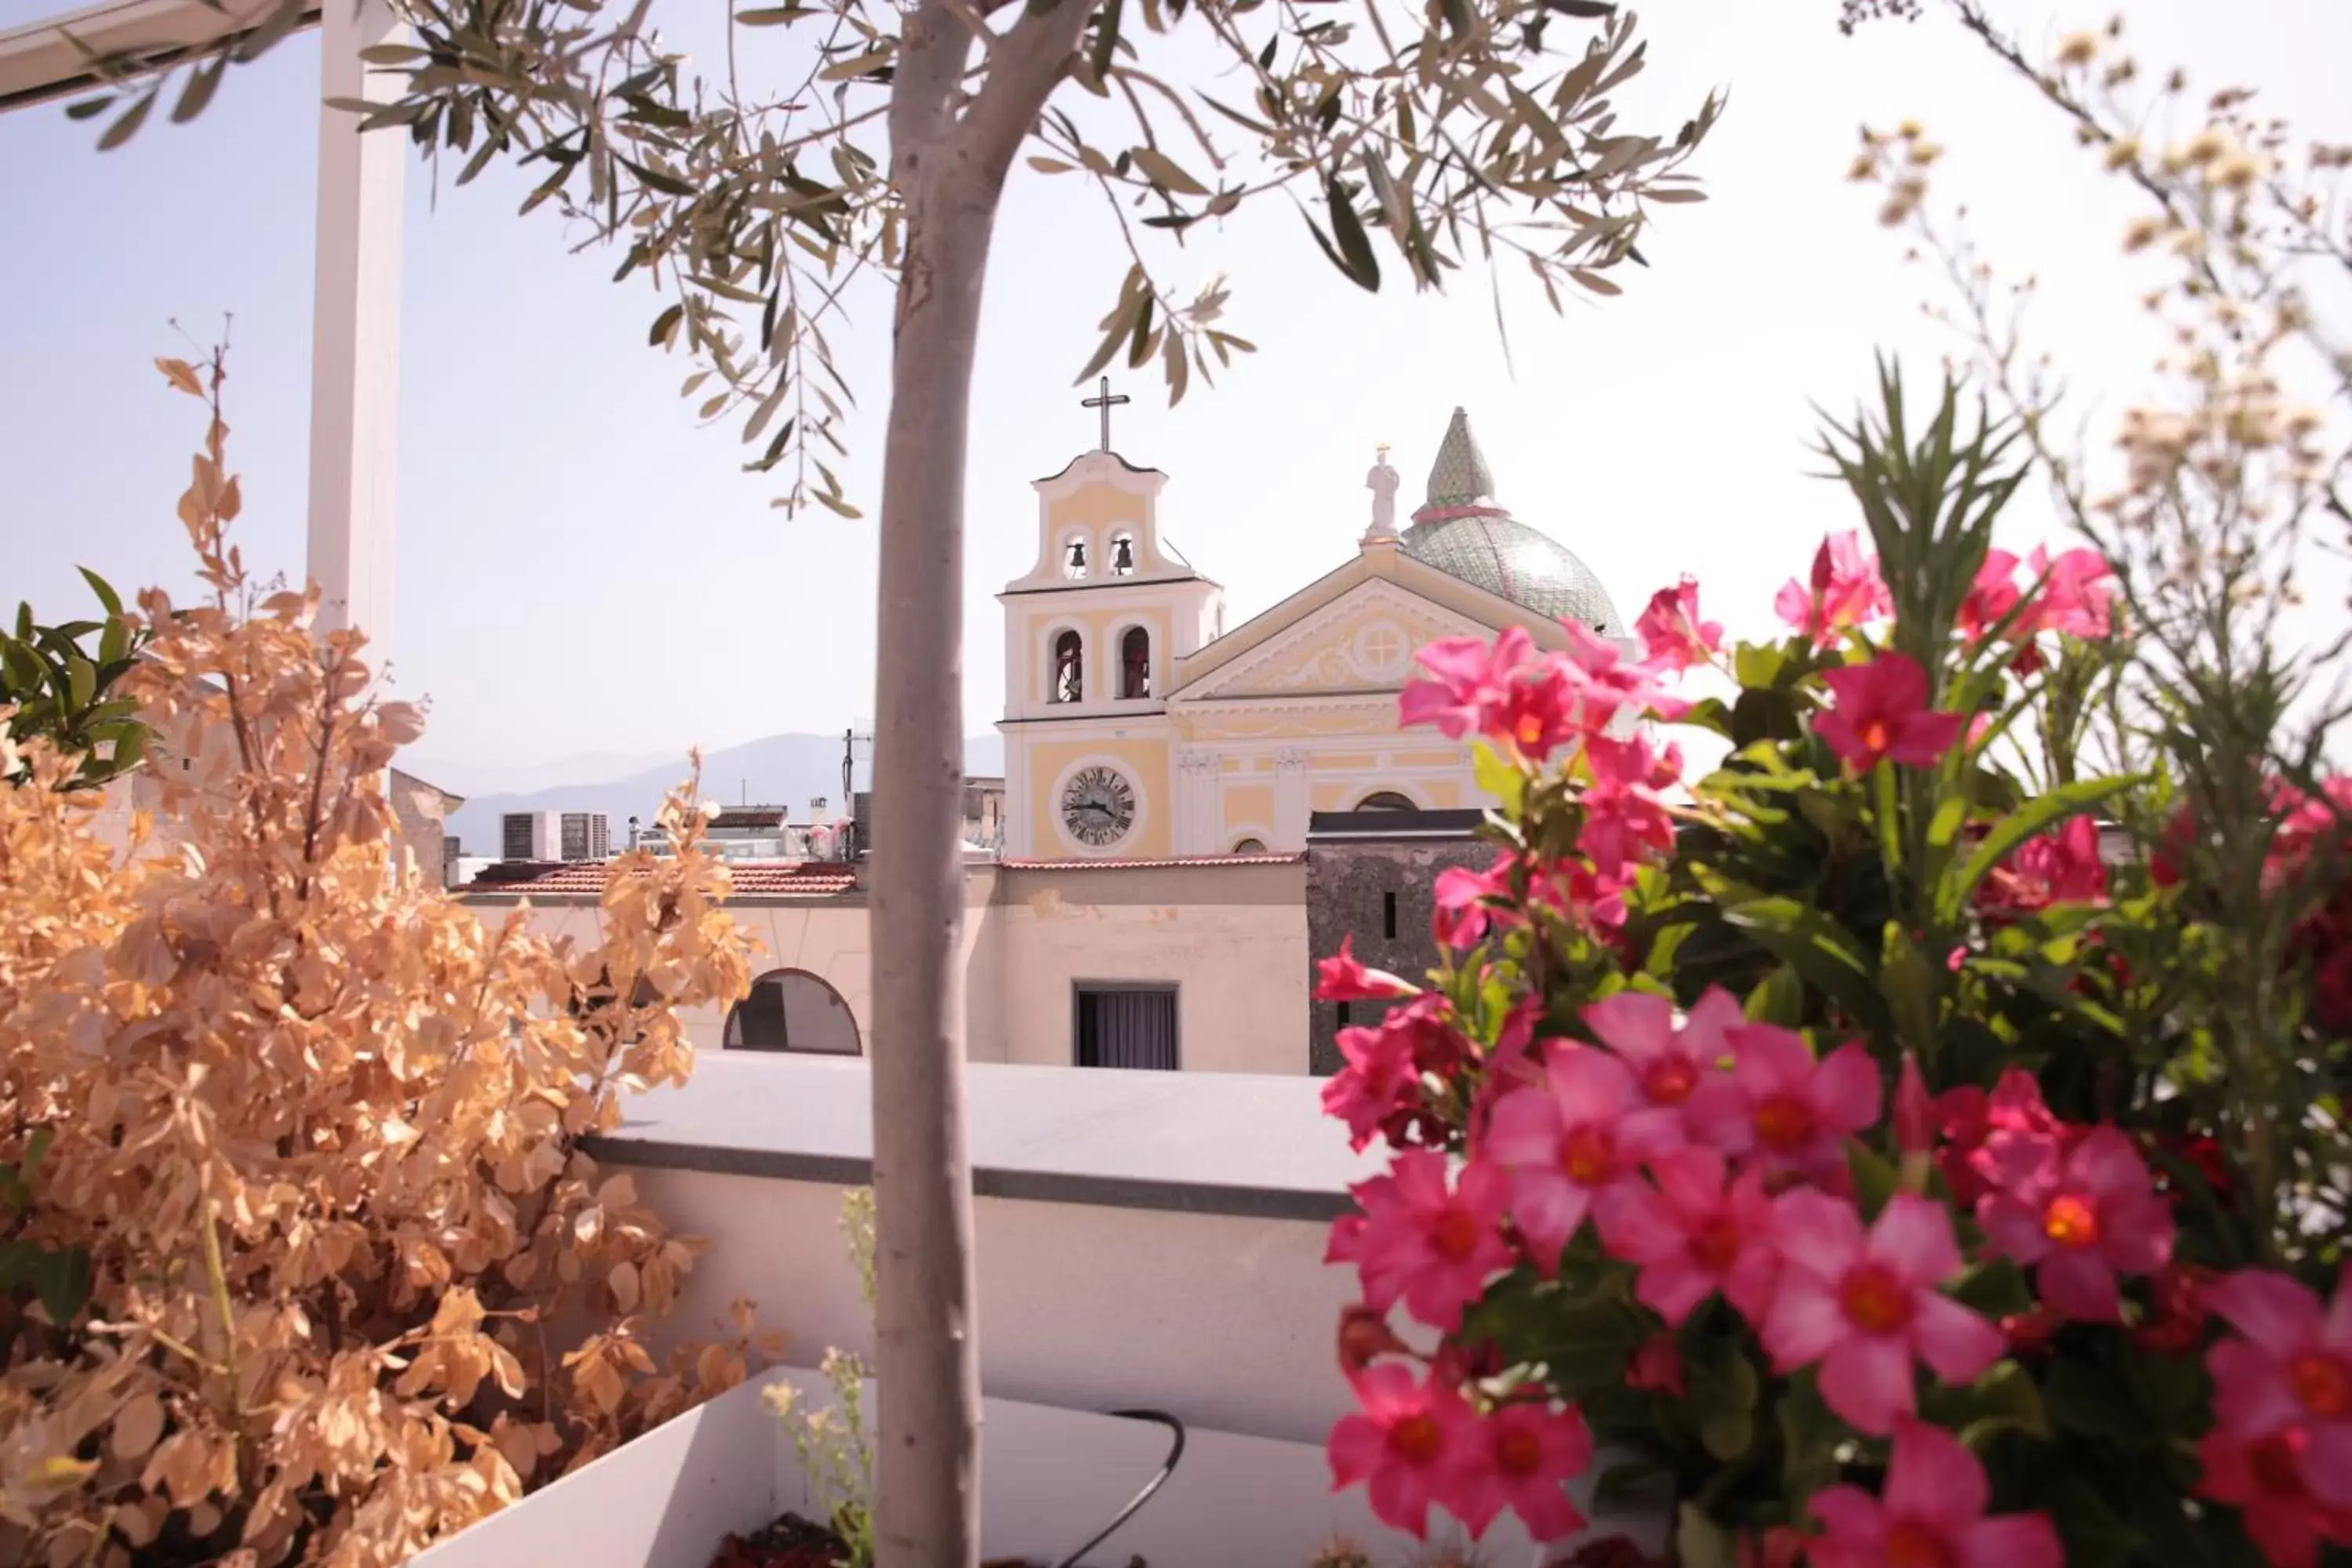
(2073, 593)
(1529, 703)
(1710, 1154)
(2281, 1447)
(1843, 592)
(1586, 697)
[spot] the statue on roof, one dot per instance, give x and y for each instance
(1383, 483)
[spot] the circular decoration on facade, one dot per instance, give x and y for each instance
(1381, 651)
(1098, 806)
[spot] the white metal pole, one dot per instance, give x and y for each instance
(355, 333)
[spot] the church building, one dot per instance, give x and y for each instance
(1194, 812)
(1139, 725)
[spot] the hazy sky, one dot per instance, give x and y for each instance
(583, 569)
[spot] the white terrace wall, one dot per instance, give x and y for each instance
(1144, 1239)
(1223, 1321)
(1232, 938)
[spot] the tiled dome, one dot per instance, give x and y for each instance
(1461, 531)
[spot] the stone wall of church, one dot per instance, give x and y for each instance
(1383, 893)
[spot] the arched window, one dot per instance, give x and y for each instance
(1122, 555)
(1073, 557)
(1386, 800)
(1069, 668)
(793, 1010)
(1135, 663)
(1250, 847)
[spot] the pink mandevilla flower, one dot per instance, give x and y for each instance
(2292, 1370)
(1411, 1445)
(2077, 597)
(1864, 1304)
(1378, 1086)
(1626, 820)
(1670, 1063)
(1423, 1241)
(1573, 1143)
(1605, 684)
(1931, 1515)
(1915, 1111)
(1520, 1455)
(1466, 902)
(1672, 636)
(2061, 867)
(2264, 1480)
(1693, 1237)
(1341, 978)
(2012, 1118)
(1781, 1107)
(1882, 715)
(1991, 596)
(2081, 1221)
(1845, 591)
(1469, 676)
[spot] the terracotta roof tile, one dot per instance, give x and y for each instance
(803, 880)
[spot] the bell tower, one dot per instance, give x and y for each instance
(1092, 634)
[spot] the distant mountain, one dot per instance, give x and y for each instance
(461, 778)
(780, 770)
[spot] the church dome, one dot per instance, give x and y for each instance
(1461, 531)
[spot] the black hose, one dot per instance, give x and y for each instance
(1166, 1469)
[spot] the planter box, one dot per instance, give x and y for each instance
(1049, 1479)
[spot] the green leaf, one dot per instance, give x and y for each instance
(2095, 1536)
(202, 83)
(63, 1284)
(1105, 50)
(1165, 172)
(665, 324)
(2039, 814)
(1503, 781)
(2004, 1400)
(1810, 1436)
(124, 129)
(1778, 998)
(105, 594)
(1875, 1180)
(1700, 1542)
(1909, 986)
(1995, 1288)
(1820, 950)
(2084, 1397)
(1356, 258)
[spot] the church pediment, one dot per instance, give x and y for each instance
(1362, 641)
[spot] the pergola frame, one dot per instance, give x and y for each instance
(355, 319)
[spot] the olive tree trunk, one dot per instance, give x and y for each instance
(950, 156)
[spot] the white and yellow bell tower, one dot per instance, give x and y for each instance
(1092, 634)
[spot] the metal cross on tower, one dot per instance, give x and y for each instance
(1106, 402)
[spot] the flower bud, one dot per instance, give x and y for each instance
(2032, 1331)
(1364, 1335)
(1914, 1125)
(1657, 1367)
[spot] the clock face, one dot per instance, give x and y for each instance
(1097, 806)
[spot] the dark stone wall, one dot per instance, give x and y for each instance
(1348, 890)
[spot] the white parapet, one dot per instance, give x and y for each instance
(38, 60)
